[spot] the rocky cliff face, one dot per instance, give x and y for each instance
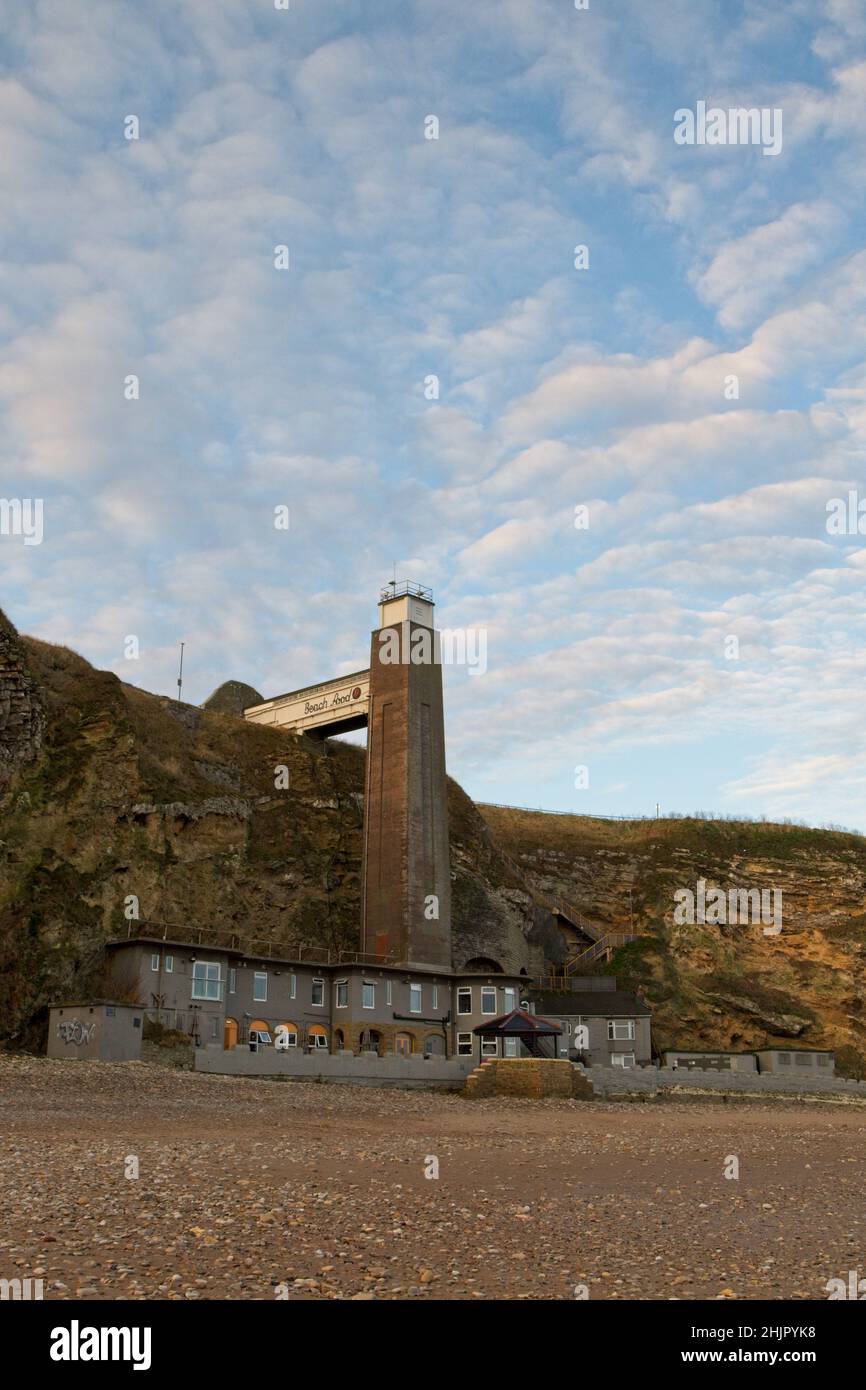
(110, 797)
(21, 717)
(118, 801)
(716, 985)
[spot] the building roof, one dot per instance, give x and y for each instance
(590, 1003)
(518, 1024)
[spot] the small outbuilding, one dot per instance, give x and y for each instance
(789, 1061)
(682, 1059)
(97, 1032)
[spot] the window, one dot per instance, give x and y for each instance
(342, 994)
(285, 1035)
(620, 1029)
(233, 979)
(435, 996)
(509, 996)
(318, 997)
(784, 1059)
(622, 1059)
(414, 999)
(488, 999)
(489, 1047)
(464, 1044)
(169, 964)
(206, 979)
(260, 985)
(403, 1044)
(214, 1027)
(388, 992)
(368, 995)
(464, 1001)
(511, 1047)
(822, 1059)
(316, 1035)
(154, 961)
(293, 986)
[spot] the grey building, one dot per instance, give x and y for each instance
(101, 1032)
(791, 1061)
(685, 1059)
(226, 997)
(601, 1025)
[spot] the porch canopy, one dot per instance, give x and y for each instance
(528, 1028)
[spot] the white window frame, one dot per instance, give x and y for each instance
(614, 1027)
(413, 990)
(206, 980)
(154, 961)
(622, 1059)
(510, 994)
(488, 990)
(511, 1047)
(344, 986)
(168, 963)
(464, 990)
(365, 985)
(293, 985)
(388, 992)
(318, 1040)
(233, 979)
(489, 1047)
(464, 1044)
(435, 1004)
(317, 980)
(260, 975)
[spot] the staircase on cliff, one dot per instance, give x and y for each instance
(602, 943)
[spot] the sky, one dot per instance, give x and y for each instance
(621, 464)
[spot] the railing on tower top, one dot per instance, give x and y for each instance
(395, 590)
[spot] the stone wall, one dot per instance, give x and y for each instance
(529, 1078)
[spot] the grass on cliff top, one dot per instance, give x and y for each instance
(523, 830)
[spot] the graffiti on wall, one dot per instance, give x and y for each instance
(72, 1030)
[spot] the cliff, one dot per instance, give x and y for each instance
(729, 985)
(109, 794)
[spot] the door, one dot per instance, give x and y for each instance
(230, 1033)
(403, 1045)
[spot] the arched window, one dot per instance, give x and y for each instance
(285, 1036)
(434, 1045)
(339, 1040)
(483, 965)
(403, 1043)
(371, 1040)
(317, 1035)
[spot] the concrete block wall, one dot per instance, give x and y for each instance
(368, 1070)
(649, 1081)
